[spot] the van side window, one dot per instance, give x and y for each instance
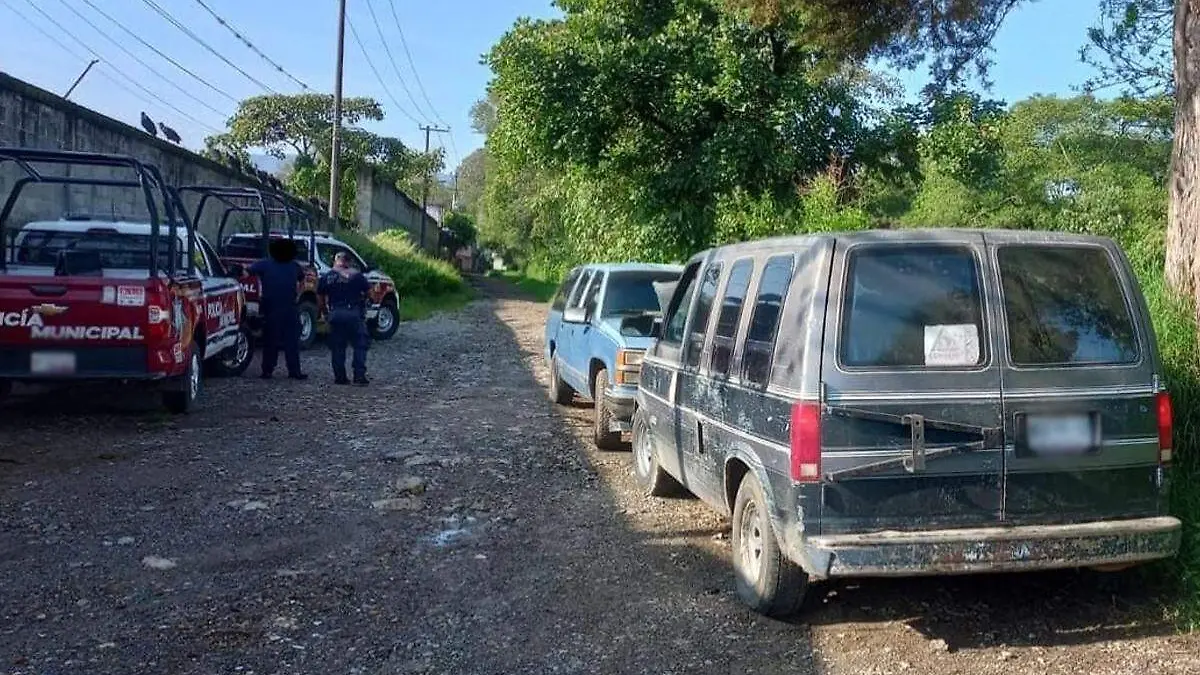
(680, 302)
(912, 307)
(708, 293)
(1065, 305)
(573, 300)
(730, 316)
(759, 348)
(560, 296)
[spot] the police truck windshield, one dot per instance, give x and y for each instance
(633, 292)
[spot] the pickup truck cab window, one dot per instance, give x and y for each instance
(560, 296)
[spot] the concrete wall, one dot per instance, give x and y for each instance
(382, 207)
(35, 118)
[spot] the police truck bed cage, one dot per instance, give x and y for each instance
(266, 203)
(145, 177)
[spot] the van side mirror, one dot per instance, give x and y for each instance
(575, 315)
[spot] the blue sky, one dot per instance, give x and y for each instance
(1036, 52)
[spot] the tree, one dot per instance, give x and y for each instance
(1130, 48)
(472, 177)
(1183, 219)
(483, 115)
(302, 123)
(458, 230)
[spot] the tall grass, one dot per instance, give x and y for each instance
(426, 285)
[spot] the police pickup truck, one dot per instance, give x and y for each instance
(120, 300)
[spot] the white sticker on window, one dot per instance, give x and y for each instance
(952, 345)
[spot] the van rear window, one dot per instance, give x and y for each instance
(912, 307)
(1065, 305)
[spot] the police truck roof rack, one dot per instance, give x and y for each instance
(144, 177)
(265, 203)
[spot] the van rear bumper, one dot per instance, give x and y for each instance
(992, 549)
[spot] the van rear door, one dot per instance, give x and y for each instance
(911, 383)
(1079, 382)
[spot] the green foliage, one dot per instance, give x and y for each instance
(416, 274)
(460, 230)
(1131, 47)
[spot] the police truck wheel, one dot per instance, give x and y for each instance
(766, 580)
(308, 323)
(236, 359)
(182, 397)
(602, 433)
(560, 392)
(650, 475)
(387, 322)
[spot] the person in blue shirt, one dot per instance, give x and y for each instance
(279, 277)
(344, 292)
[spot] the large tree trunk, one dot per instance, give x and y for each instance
(1183, 212)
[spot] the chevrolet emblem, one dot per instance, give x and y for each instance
(48, 309)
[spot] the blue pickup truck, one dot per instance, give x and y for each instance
(599, 326)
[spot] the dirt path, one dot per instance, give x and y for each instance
(448, 520)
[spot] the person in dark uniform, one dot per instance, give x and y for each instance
(344, 291)
(279, 277)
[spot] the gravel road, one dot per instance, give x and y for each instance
(449, 519)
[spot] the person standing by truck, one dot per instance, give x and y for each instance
(279, 276)
(344, 291)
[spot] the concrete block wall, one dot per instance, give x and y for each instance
(381, 206)
(35, 118)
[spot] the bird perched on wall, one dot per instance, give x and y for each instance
(170, 133)
(148, 125)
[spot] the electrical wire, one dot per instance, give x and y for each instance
(96, 55)
(363, 49)
(244, 40)
(412, 66)
(135, 57)
(188, 32)
(388, 50)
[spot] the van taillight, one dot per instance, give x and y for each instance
(806, 442)
(1165, 427)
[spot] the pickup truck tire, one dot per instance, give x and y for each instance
(181, 397)
(384, 326)
(560, 392)
(603, 420)
(308, 323)
(654, 481)
(236, 359)
(766, 580)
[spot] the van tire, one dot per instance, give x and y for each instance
(602, 433)
(766, 580)
(560, 392)
(181, 398)
(653, 480)
(308, 312)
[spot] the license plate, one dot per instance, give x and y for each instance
(52, 363)
(1060, 434)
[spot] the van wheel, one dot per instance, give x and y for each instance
(605, 438)
(308, 323)
(766, 580)
(235, 359)
(560, 392)
(182, 397)
(650, 475)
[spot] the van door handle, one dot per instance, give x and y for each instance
(48, 291)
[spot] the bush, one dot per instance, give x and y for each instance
(418, 277)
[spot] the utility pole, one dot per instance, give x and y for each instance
(425, 189)
(335, 146)
(80, 78)
(454, 202)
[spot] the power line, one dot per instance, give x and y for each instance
(359, 42)
(232, 29)
(135, 57)
(139, 38)
(413, 66)
(388, 51)
(96, 54)
(188, 32)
